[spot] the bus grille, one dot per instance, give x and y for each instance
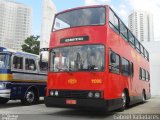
(73, 94)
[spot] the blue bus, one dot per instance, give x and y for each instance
(23, 77)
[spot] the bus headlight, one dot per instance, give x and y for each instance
(97, 95)
(51, 93)
(90, 94)
(2, 85)
(56, 93)
(94, 94)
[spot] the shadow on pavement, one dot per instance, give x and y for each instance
(72, 113)
(135, 105)
(16, 103)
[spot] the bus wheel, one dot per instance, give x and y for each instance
(124, 101)
(143, 97)
(3, 100)
(30, 98)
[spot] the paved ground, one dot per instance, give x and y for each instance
(39, 112)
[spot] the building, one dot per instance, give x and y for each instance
(15, 24)
(141, 25)
(49, 11)
(154, 52)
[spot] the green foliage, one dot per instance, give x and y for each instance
(31, 45)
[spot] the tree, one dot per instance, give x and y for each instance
(31, 45)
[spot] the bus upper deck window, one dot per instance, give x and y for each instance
(80, 17)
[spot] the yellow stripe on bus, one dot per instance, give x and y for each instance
(28, 81)
(6, 77)
(9, 78)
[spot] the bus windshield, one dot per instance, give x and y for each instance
(80, 17)
(4, 61)
(77, 58)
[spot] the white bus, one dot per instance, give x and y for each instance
(23, 77)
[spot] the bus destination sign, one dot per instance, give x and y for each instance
(74, 39)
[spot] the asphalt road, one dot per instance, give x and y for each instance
(15, 111)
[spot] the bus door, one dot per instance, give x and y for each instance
(114, 81)
(126, 73)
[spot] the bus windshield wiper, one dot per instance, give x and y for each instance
(60, 69)
(64, 69)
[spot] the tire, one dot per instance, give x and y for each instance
(125, 101)
(3, 100)
(30, 98)
(143, 97)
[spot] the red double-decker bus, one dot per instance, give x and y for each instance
(95, 61)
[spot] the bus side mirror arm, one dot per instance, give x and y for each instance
(53, 57)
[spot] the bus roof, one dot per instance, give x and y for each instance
(6, 50)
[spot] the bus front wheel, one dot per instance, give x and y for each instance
(3, 100)
(125, 100)
(31, 97)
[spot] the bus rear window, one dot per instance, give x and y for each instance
(80, 17)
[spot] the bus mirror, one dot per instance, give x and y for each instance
(113, 58)
(44, 56)
(53, 57)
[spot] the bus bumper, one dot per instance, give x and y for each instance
(5, 93)
(91, 104)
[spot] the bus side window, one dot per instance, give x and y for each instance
(140, 73)
(131, 69)
(148, 76)
(147, 79)
(30, 64)
(131, 39)
(125, 67)
(147, 56)
(137, 44)
(141, 49)
(143, 74)
(17, 62)
(113, 21)
(123, 31)
(114, 62)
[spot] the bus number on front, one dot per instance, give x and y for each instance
(96, 81)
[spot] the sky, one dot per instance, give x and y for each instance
(122, 7)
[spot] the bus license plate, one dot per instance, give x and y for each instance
(71, 102)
